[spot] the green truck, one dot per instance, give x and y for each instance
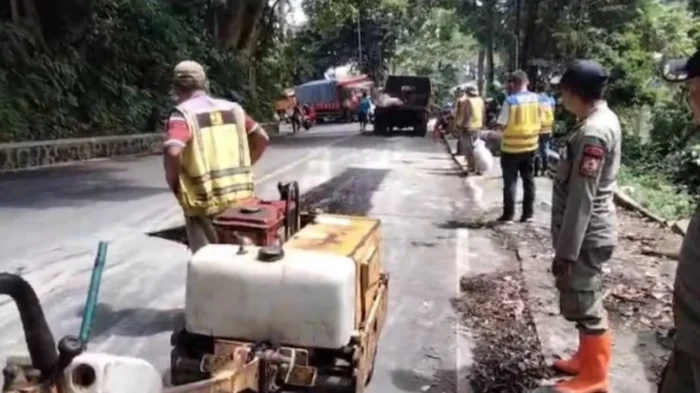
(404, 103)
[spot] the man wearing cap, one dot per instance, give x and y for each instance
(210, 148)
(519, 123)
(583, 224)
(471, 123)
(682, 372)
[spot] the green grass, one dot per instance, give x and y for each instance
(656, 193)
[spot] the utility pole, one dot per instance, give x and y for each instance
(359, 43)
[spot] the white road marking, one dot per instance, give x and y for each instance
(463, 356)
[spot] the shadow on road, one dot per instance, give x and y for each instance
(348, 193)
(133, 322)
(442, 381)
(71, 186)
(393, 134)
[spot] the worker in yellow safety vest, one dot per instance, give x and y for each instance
(472, 122)
(547, 106)
(458, 120)
(519, 124)
(210, 148)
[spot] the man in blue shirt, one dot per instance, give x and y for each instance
(363, 111)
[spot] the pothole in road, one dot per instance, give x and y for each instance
(508, 355)
(175, 234)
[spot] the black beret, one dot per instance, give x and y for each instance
(584, 73)
(679, 70)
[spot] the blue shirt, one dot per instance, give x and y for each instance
(364, 106)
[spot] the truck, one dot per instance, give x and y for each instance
(404, 103)
(334, 99)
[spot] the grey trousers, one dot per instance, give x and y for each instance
(200, 232)
(580, 293)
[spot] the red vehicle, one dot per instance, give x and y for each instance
(334, 100)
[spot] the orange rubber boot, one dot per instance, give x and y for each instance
(595, 365)
(572, 365)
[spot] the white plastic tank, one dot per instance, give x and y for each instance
(305, 299)
(102, 373)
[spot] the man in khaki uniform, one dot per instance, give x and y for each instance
(584, 223)
(471, 124)
(682, 372)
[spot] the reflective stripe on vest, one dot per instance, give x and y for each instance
(522, 132)
(476, 119)
(216, 168)
(547, 105)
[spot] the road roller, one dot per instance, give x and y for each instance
(302, 315)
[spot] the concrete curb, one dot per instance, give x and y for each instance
(31, 155)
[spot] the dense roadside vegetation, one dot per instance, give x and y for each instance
(92, 67)
(661, 155)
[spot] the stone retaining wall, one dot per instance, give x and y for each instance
(28, 155)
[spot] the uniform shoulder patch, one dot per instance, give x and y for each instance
(591, 160)
(593, 151)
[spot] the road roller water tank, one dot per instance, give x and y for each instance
(293, 297)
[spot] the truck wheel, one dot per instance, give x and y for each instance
(379, 128)
(420, 130)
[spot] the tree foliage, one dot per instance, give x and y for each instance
(93, 67)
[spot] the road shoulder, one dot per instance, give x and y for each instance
(638, 284)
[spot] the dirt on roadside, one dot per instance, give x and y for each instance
(508, 356)
(638, 282)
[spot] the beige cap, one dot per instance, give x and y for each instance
(472, 90)
(190, 69)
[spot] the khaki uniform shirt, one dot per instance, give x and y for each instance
(583, 212)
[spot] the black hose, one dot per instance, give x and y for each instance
(40, 340)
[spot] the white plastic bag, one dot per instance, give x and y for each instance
(483, 156)
(431, 124)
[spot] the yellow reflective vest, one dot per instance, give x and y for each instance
(547, 105)
(216, 168)
(522, 131)
(476, 119)
(458, 120)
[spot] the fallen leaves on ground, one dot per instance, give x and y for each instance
(508, 356)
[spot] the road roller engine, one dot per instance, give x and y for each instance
(261, 222)
(303, 315)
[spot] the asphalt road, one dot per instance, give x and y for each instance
(53, 220)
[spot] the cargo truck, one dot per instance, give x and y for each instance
(334, 99)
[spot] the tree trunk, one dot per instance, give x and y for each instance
(528, 48)
(490, 42)
(14, 11)
(480, 71)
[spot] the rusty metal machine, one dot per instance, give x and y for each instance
(261, 222)
(306, 315)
